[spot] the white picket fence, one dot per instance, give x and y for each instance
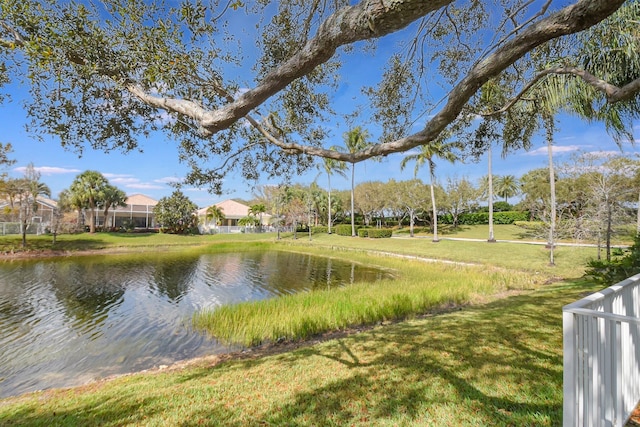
(602, 356)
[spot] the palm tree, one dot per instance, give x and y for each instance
(89, 186)
(32, 189)
(258, 209)
(112, 197)
(330, 166)
(70, 201)
(507, 186)
(355, 140)
(214, 213)
(426, 155)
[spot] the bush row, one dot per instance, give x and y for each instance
(374, 233)
(479, 218)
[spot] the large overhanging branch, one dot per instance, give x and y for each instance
(366, 20)
(571, 19)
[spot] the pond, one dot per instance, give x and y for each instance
(64, 322)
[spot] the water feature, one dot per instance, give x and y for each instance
(67, 321)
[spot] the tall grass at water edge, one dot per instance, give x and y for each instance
(418, 288)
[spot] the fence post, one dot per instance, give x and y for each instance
(569, 374)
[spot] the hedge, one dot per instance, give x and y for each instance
(375, 233)
(319, 229)
(479, 218)
(343, 229)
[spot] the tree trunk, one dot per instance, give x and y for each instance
(609, 230)
(411, 222)
(353, 214)
(491, 239)
(552, 189)
(435, 212)
(638, 217)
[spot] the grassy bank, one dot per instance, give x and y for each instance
(417, 288)
(497, 362)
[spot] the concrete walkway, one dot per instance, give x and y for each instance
(522, 242)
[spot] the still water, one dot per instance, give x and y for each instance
(65, 322)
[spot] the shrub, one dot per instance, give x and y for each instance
(343, 229)
(319, 229)
(376, 233)
(363, 232)
(479, 218)
(619, 268)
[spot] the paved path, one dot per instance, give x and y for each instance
(522, 242)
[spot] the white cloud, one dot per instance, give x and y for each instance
(130, 181)
(144, 186)
(556, 149)
(49, 170)
(168, 180)
(195, 190)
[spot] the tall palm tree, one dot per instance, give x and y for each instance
(112, 197)
(89, 186)
(330, 166)
(355, 140)
(507, 186)
(426, 155)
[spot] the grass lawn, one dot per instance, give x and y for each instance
(497, 362)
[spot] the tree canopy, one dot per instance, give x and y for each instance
(104, 74)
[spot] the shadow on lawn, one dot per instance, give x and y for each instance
(498, 364)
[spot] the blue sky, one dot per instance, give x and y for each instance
(151, 171)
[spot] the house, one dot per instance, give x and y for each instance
(40, 219)
(233, 212)
(137, 214)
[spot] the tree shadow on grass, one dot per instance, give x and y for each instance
(497, 364)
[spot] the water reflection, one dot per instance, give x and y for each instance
(66, 321)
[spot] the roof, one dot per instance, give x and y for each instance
(47, 202)
(141, 199)
(50, 203)
(231, 209)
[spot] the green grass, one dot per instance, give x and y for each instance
(118, 241)
(418, 288)
(624, 235)
(570, 261)
(497, 362)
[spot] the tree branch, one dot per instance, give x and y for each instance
(366, 20)
(612, 92)
(572, 19)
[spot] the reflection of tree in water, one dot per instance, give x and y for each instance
(17, 300)
(88, 288)
(298, 272)
(174, 276)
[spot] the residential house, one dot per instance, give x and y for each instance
(40, 219)
(233, 212)
(138, 213)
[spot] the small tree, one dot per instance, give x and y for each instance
(112, 197)
(32, 188)
(214, 213)
(257, 210)
(89, 187)
(176, 214)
